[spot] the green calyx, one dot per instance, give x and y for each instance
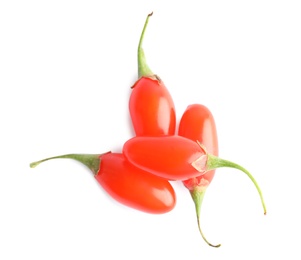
(204, 164)
(209, 162)
(198, 196)
(214, 162)
(143, 69)
(92, 161)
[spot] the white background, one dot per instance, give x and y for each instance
(66, 68)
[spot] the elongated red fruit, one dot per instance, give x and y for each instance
(197, 123)
(151, 106)
(176, 158)
(126, 183)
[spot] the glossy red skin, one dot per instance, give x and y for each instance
(151, 108)
(134, 187)
(197, 123)
(169, 157)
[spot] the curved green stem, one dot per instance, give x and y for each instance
(198, 196)
(214, 162)
(143, 69)
(92, 161)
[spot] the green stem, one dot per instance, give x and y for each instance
(143, 69)
(214, 162)
(198, 196)
(92, 161)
